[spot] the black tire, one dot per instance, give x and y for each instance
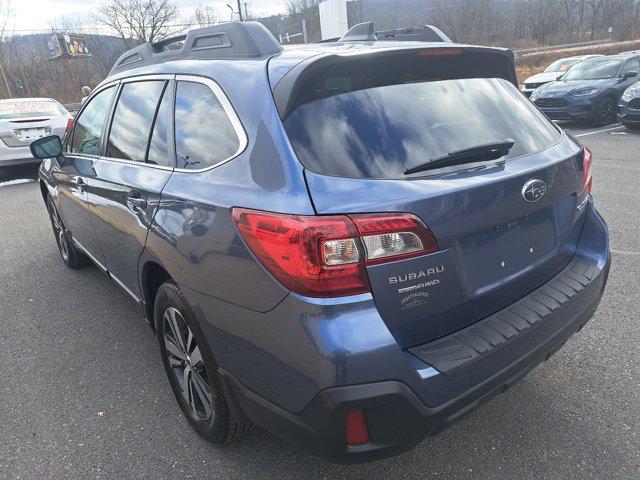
(632, 126)
(72, 256)
(172, 313)
(605, 113)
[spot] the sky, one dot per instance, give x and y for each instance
(39, 15)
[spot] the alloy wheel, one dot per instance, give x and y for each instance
(186, 362)
(59, 231)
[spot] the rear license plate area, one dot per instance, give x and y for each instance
(508, 249)
(30, 134)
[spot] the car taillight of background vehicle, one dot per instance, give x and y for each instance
(587, 175)
(326, 256)
(68, 127)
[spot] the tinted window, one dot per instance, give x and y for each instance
(380, 132)
(88, 130)
(204, 134)
(132, 120)
(159, 153)
(594, 70)
(632, 65)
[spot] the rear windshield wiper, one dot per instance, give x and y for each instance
(485, 151)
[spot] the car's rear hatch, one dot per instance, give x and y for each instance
(504, 226)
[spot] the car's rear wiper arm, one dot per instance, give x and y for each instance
(486, 151)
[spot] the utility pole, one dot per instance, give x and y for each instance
(240, 10)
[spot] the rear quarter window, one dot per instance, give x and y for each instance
(380, 132)
(204, 133)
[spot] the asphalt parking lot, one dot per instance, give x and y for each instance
(83, 393)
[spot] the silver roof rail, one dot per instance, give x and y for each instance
(225, 40)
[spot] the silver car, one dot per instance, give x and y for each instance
(23, 120)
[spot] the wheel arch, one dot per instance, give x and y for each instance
(152, 275)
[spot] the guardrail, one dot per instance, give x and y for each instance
(560, 47)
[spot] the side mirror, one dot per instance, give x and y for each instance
(46, 147)
(629, 75)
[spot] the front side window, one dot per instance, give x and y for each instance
(204, 134)
(87, 132)
(132, 119)
(632, 65)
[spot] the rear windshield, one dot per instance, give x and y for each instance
(30, 109)
(380, 132)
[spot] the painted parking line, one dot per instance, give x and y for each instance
(611, 129)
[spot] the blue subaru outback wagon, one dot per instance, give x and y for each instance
(350, 244)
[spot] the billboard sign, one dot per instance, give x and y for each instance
(333, 18)
(68, 45)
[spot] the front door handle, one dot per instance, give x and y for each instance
(136, 199)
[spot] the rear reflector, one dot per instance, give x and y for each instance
(357, 432)
(325, 256)
(587, 175)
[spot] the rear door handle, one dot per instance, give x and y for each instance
(136, 199)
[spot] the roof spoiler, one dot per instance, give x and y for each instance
(365, 32)
(225, 40)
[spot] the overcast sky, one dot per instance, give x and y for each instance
(39, 15)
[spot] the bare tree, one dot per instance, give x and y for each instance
(205, 16)
(139, 20)
(6, 13)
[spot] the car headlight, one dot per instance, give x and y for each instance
(631, 92)
(585, 92)
(534, 94)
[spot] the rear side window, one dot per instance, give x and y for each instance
(87, 132)
(132, 120)
(204, 134)
(159, 151)
(380, 132)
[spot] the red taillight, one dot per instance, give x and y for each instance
(587, 176)
(325, 256)
(357, 432)
(68, 128)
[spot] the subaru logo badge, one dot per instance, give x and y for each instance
(534, 190)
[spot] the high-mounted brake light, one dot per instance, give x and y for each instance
(587, 175)
(326, 256)
(437, 52)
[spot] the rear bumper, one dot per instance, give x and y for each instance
(396, 412)
(15, 155)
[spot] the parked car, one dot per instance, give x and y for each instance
(552, 73)
(590, 90)
(629, 107)
(322, 244)
(23, 120)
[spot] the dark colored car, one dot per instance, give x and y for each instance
(590, 90)
(351, 244)
(629, 107)
(552, 73)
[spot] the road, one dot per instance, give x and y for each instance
(83, 393)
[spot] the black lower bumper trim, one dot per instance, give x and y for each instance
(397, 419)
